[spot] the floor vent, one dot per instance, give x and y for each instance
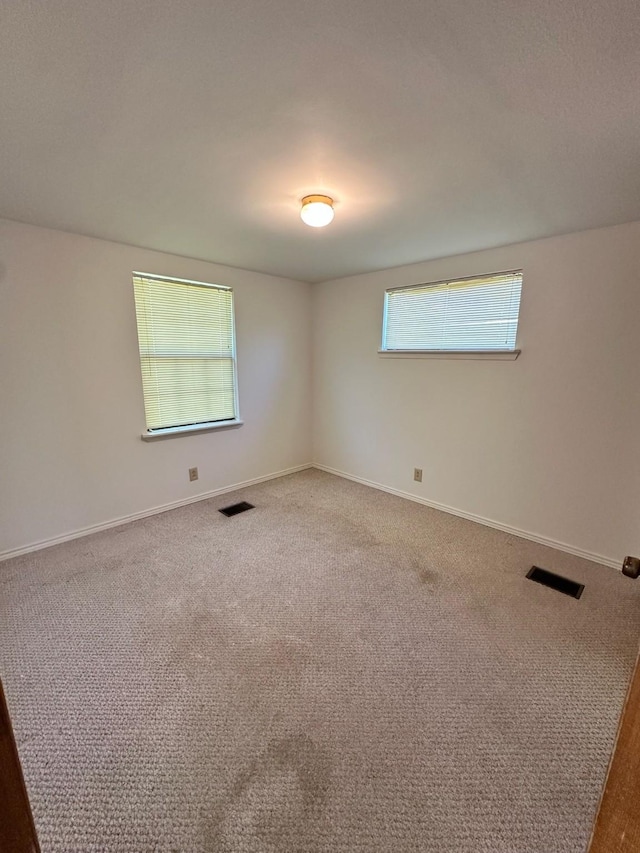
(555, 581)
(234, 509)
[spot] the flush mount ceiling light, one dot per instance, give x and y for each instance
(317, 210)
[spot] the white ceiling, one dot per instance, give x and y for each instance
(439, 126)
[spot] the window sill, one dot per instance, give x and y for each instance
(480, 355)
(172, 432)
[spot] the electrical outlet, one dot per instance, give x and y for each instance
(417, 475)
(193, 474)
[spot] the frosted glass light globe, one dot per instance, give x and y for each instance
(317, 210)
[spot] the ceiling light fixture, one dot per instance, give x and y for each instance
(317, 210)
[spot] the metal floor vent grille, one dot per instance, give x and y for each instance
(557, 582)
(234, 509)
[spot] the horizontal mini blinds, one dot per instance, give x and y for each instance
(185, 333)
(468, 314)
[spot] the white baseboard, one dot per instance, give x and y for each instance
(125, 519)
(489, 522)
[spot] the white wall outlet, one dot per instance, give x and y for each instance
(193, 474)
(417, 475)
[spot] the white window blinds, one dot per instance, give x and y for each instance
(185, 333)
(472, 314)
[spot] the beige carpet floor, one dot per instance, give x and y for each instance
(336, 670)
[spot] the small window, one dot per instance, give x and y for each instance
(465, 315)
(186, 339)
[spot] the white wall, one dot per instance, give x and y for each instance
(548, 444)
(71, 409)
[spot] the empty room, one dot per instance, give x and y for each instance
(319, 445)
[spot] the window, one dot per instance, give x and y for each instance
(187, 356)
(466, 315)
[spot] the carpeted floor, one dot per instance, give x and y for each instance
(337, 669)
